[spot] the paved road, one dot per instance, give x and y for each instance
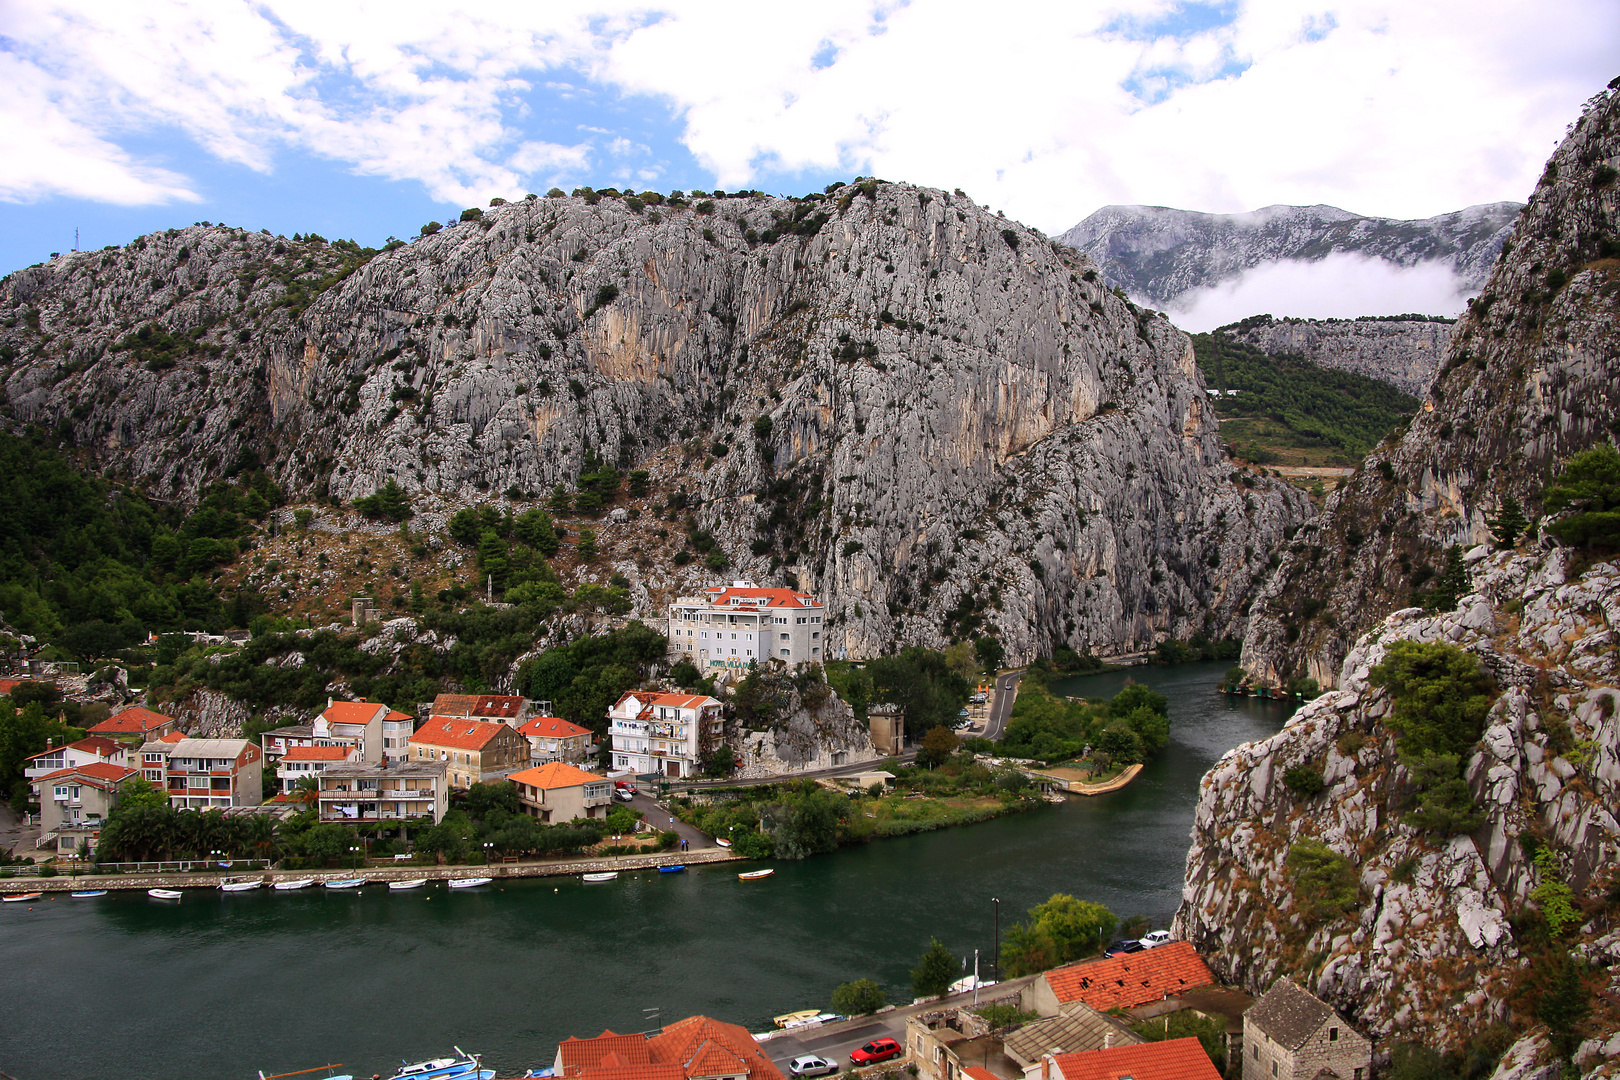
(842, 770)
(1006, 694)
(835, 1041)
(660, 818)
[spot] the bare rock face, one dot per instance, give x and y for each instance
(1158, 254)
(813, 729)
(967, 431)
(1402, 352)
(1530, 377)
(1430, 951)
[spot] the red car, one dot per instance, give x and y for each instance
(875, 1051)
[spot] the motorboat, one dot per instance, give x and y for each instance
(468, 882)
(164, 894)
(85, 893)
(606, 875)
(345, 883)
(407, 883)
(463, 1065)
(795, 1019)
(296, 883)
(754, 875)
(722, 843)
(240, 884)
(968, 982)
(17, 898)
(681, 869)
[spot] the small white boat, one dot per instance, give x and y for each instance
(468, 882)
(297, 883)
(89, 892)
(240, 884)
(408, 883)
(755, 875)
(17, 898)
(164, 894)
(723, 843)
(463, 1065)
(345, 883)
(606, 875)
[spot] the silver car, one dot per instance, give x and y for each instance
(811, 1065)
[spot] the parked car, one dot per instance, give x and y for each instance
(875, 1051)
(625, 794)
(1155, 937)
(1120, 947)
(811, 1065)
(977, 699)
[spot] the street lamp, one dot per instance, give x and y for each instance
(487, 846)
(354, 857)
(213, 856)
(997, 960)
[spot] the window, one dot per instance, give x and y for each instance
(1333, 1034)
(1358, 1074)
(61, 791)
(1257, 1052)
(1273, 1068)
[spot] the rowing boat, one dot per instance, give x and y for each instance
(296, 883)
(239, 884)
(672, 869)
(164, 894)
(408, 883)
(345, 883)
(89, 892)
(606, 875)
(755, 875)
(17, 898)
(468, 882)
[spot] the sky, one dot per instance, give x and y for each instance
(366, 119)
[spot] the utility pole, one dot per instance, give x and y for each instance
(997, 960)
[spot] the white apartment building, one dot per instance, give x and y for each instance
(733, 626)
(662, 733)
(375, 731)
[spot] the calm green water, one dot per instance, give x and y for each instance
(222, 986)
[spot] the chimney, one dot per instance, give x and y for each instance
(1046, 1067)
(1108, 1040)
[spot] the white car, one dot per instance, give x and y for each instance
(811, 1065)
(1155, 937)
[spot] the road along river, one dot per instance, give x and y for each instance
(223, 985)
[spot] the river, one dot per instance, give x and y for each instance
(223, 985)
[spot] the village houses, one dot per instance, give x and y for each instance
(558, 792)
(660, 733)
(475, 751)
(373, 731)
(730, 627)
(355, 791)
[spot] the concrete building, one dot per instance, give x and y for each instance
(75, 801)
(302, 761)
(356, 791)
(1290, 1034)
(155, 759)
(954, 1044)
(86, 751)
(558, 792)
(665, 734)
(474, 751)
(1119, 982)
(377, 732)
(209, 774)
(733, 626)
(551, 738)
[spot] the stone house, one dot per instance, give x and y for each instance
(1077, 1028)
(955, 1044)
(557, 792)
(474, 751)
(551, 738)
(1290, 1034)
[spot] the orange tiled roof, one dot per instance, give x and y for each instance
(316, 753)
(574, 1055)
(605, 1071)
(497, 706)
(457, 733)
(721, 595)
(99, 773)
(551, 727)
(351, 712)
(93, 744)
(173, 736)
(1131, 979)
(973, 1072)
(668, 701)
(133, 720)
(8, 685)
(555, 775)
(686, 1050)
(1174, 1059)
(689, 1042)
(396, 715)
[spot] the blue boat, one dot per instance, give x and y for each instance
(672, 869)
(90, 892)
(463, 1066)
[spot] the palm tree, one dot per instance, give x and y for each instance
(307, 791)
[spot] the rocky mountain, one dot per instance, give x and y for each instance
(937, 420)
(1404, 352)
(1529, 378)
(1433, 944)
(1157, 254)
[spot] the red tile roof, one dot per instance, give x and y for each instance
(573, 1054)
(93, 744)
(551, 727)
(1131, 979)
(8, 685)
(352, 712)
(720, 595)
(457, 733)
(133, 720)
(975, 1073)
(173, 736)
(668, 701)
(694, 1043)
(395, 715)
(497, 706)
(1175, 1059)
(317, 753)
(556, 775)
(97, 773)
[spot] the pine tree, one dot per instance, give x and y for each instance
(1509, 523)
(935, 971)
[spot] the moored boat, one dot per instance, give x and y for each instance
(462, 1065)
(164, 894)
(345, 883)
(605, 875)
(468, 882)
(795, 1019)
(407, 883)
(754, 875)
(681, 869)
(722, 843)
(17, 898)
(240, 884)
(89, 892)
(296, 883)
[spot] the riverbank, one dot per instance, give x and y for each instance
(1077, 781)
(378, 874)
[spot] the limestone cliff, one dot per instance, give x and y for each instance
(1530, 377)
(967, 431)
(1431, 952)
(1402, 352)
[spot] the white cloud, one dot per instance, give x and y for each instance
(1339, 286)
(1382, 107)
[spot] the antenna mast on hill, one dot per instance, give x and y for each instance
(75, 239)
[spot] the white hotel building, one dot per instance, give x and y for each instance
(733, 626)
(662, 733)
